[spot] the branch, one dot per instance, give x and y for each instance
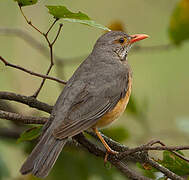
(125, 152)
(128, 172)
(27, 100)
(39, 47)
(164, 170)
(95, 150)
(147, 148)
(29, 22)
(181, 156)
(45, 35)
(60, 27)
(51, 55)
(31, 72)
(138, 154)
(22, 119)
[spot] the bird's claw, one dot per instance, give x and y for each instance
(108, 152)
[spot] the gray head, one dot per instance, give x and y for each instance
(117, 42)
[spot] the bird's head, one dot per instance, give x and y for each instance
(118, 42)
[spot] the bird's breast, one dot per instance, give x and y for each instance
(117, 111)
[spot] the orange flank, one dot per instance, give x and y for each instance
(114, 114)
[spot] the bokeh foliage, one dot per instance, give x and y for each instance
(179, 23)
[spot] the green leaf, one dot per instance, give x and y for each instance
(148, 172)
(26, 2)
(179, 23)
(61, 12)
(118, 133)
(174, 163)
(30, 134)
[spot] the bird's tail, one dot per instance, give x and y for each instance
(43, 156)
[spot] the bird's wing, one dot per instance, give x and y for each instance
(89, 105)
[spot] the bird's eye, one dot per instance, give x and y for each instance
(121, 40)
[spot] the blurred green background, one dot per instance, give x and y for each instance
(160, 104)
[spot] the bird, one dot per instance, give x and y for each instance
(94, 97)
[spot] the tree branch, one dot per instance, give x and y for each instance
(164, 170)
(27, 100)
(131, 152)
(138, 154)
(31, 72)
(22, 119)
(95, 150)
(147, 148)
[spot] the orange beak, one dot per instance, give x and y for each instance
(137, 37)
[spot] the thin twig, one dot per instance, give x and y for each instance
(164, 170)
(51, 57)
(181, 156)
(152, 148)
(175, 153)
(46, 34)
(50, 47)
(60, 27)
(31, 72)
(154, 141)
(29, 22)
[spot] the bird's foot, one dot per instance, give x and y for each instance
(108, 152)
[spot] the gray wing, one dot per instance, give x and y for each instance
(88, 104)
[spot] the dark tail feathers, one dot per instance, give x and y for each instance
(43, 156)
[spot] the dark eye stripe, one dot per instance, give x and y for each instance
(121, 40)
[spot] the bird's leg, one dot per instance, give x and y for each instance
(108, 149)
